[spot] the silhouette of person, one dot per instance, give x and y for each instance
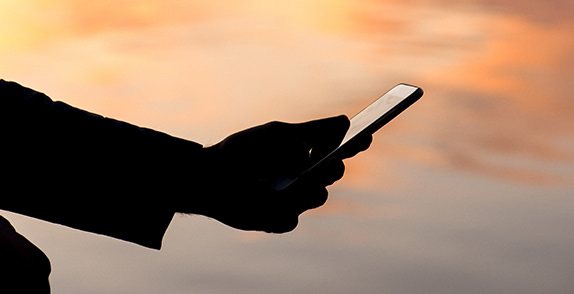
(68, 166)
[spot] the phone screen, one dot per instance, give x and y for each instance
(372, 114)
(368, 121)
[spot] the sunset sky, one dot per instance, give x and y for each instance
(491, 140)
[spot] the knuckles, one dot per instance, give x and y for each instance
(318, 199)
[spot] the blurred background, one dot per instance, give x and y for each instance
(468, 191)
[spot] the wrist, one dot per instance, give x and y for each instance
(199, 184)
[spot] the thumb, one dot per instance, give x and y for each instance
(328, 135)
(322, 131)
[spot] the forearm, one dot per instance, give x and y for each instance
(82, 170)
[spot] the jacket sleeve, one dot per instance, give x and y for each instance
(71, 167)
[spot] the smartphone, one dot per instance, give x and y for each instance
(367, 121)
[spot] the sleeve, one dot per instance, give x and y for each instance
(71, 167)
(24, 267)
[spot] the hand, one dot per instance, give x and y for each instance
(241, 166)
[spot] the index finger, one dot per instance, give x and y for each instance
(323, 135)
(317, 131)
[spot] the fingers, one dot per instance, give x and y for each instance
(282, 224)
(292, 162)
(325, 173)
(309, 192)
(323, 134)
(278, 211)
(293, 202)
(323, 127)
(330, 172)
(318, 198)
(355, 146)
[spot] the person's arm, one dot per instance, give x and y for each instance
(82, 170)
(24, 267)
(97, 174)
